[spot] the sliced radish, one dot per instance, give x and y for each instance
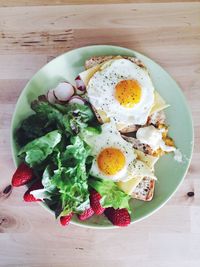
(50, 96)
(84, 77)
(80, 84)
(64, 91)
(77, 100)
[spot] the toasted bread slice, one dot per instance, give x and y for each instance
(138, 145)
(144, 190)
(96, 60)
(127, 129)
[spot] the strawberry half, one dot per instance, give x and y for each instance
(118, 217)
(86, 214)
(95, 204)
(28, 197)
(22, 175)
(64, 220)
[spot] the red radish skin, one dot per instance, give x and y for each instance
(80, 84)
(63, 91)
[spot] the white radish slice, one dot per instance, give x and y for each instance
(77, 100)
(64, 91)
(50, 96)
(80, 84)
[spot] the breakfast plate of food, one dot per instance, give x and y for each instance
(101, 137)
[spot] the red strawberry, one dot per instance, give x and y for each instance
(95, 202)
(64, 220)
(28, 197)
(22, 175)
(86, 214)
(119, 217)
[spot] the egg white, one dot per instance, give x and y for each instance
(110, 137)
(153, 137)
(101, 92)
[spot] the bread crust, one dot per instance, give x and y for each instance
(138, 145)
(97, 115)
(96, 60)
(128, 129)
(144, 190)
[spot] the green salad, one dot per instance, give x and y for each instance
(52, 143)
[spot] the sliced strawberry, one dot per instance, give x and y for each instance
(119, 217)
(95, 204)
(28, 197)
(86, 214)
(22, 175)
(64, 220)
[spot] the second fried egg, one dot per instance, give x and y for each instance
(114, 158)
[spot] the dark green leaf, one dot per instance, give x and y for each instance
(33, 127)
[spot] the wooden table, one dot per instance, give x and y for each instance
(34, 32)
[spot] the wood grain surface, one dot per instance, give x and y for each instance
(34, 32)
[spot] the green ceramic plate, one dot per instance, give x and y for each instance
(169, 172)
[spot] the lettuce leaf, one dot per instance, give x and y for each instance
(72, 177)
(77, 115)
(112, 196)
(38, 150)
(75, 153)
(33, 127)
(73, 188)
(66, 188)
(71, 118)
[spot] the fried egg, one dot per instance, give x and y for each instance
(123, 91)
(114, 158)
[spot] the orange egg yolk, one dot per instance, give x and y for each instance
(128, 93)
(111, 160)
